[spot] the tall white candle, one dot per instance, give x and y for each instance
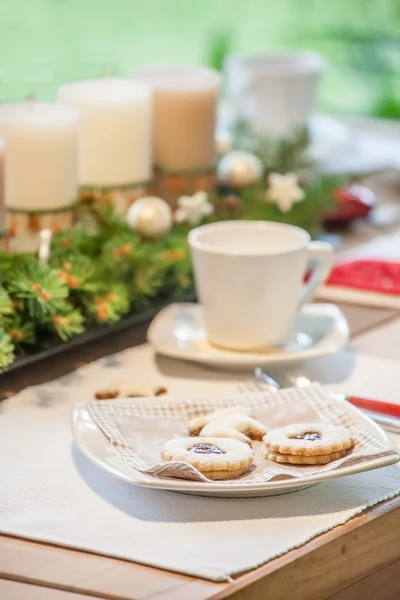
(41, 155)
(114, 130)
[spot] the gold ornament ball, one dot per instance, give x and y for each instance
(239, 169)
(150, 217)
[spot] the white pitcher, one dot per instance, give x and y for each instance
(274, 93)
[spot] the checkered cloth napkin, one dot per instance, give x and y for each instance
(138, 429)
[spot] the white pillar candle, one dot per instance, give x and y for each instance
(41, 155)
(114, 130)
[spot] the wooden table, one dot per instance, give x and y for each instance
(357, 561)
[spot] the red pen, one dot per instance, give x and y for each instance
(383, 408)
(387, 414)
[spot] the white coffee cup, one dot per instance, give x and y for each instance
(250, 280)
(275, 93)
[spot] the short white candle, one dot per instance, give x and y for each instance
(41, 155)
(114, 130)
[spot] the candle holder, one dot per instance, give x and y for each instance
(121, 197)
(170, 185)
(24, 227)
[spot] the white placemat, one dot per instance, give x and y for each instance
(50, 492)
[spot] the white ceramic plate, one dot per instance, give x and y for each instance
(178, 331)
(97, 448)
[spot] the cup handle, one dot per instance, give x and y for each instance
(321, 260)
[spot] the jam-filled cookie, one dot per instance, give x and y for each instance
(216, 458)
(296, 459)
(308, 439)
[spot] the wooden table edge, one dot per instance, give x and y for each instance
(211, 590)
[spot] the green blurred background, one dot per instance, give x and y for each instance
(46, 42)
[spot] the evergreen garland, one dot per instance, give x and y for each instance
(100, 270)
(279, 155)
(6, 349)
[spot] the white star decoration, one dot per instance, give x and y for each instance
(192, 209)
(284, 190)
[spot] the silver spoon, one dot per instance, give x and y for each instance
(388, 423)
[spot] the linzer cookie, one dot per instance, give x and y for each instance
(251, 428)
(237, 419)
(308, 439)
(216, 458)
(196, 425)
(221, 430)
(296, 459)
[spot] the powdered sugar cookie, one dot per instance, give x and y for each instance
(196, 425)
(250, 427)
(237, 417)
(220, 430)
(216, 458)
(295, 459)
(308, 439)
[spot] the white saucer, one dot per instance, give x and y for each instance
(178, 331)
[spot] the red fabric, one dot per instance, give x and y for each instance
(369, 275)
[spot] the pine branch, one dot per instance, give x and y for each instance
(6, 307)
(21, 332)
(75, 272)
(38, 287)
(109, 307)
(68, 323)
(6, 350)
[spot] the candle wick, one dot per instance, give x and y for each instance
(45, 236)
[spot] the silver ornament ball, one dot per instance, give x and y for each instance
(150, 217)
(239, 169)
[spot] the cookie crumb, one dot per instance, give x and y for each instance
(161, 391)
(106, 395)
